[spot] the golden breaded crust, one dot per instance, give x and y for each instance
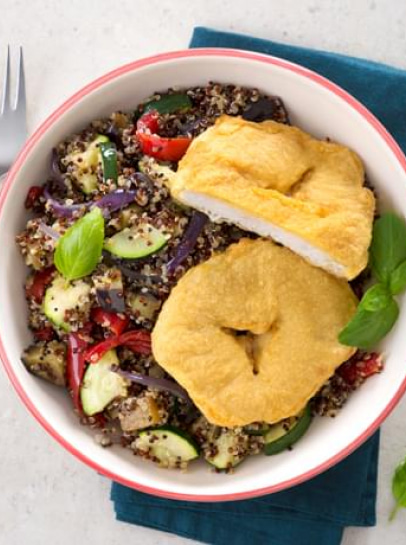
(310, 188)
(293, 313)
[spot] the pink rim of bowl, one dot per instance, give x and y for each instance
(351, 101)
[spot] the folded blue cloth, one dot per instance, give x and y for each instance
(315, 512)
(381, 88)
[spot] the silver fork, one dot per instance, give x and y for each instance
(13, 123)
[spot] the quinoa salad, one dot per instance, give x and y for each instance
(92, 328)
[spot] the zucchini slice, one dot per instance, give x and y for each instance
(137, 242)
(109, 160)
(257, 429)
(143, 306)
(101, 385)
(84, 164)
(168, 445)
(62, 296)
(168, 104)
(285, 433)
(227, 451)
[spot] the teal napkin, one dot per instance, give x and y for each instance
(315, 512)
(381, 88)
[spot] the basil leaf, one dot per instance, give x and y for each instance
(79, 249)
(397, 281)
(368, 328)
(399, 488)
(376, 298)
(388, 248)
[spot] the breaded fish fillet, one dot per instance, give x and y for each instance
(252, 332)
(280, 182)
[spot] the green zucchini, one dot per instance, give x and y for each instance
(83, 164)
(227, 446)
(168, 104)
(143, 305)
(62, 296)
(136, 242)
(258, 430)
(101, 385)
(285, 433)
(109, 161)
(168, 445)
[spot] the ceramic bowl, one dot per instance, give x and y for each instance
(314, 104)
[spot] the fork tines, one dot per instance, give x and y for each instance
(19, 102)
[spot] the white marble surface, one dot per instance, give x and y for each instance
(47, 495)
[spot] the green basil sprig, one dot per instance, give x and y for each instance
(79, 249)
(399, 488)
(388, 248)
(378, 311)
(397, 281)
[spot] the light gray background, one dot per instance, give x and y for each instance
(47, 496)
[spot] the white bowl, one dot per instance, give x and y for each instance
(314, 104)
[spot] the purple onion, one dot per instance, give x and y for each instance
(62, 210)
(109, 203)
(186, 245)
(158, 383)
(116, 200)
(143, 178)
(47, 230)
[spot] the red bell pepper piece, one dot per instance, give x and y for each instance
(148, 122)
(39, 283)
(163, 149)
(46, 333)
(75, 367)
(111, 320)
(33, 195)
(360, 367)
(86, 330)
(137, 340)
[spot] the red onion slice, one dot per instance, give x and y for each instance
(158, 383)
(188, 242)
(47, 230)
(112, 202)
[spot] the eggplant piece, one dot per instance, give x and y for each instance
(266, 108)
(139, 413)
(111, 300)
(47, 361)
(110, 290)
